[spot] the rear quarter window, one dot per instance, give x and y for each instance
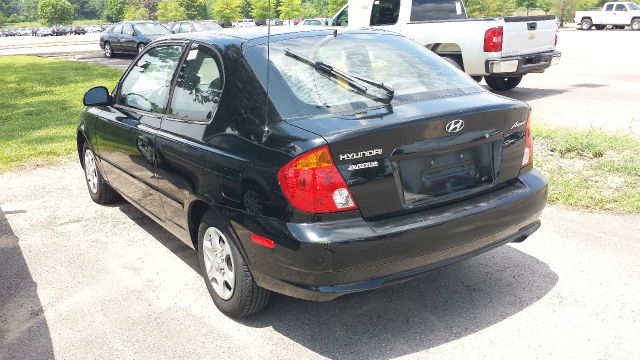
(432, 10)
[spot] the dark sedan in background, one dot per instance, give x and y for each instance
(130, 37)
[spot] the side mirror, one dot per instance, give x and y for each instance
(97, 96)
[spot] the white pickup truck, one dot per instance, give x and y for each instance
(501, 50)
(616, 14)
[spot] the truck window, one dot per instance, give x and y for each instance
(385, 12)
(621, 7)
(342, 19)
(609, 7)
(430, 10)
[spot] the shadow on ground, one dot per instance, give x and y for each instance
(442, 306)
(528, 94)
(24, 333)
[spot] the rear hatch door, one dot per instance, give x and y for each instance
(414, 156)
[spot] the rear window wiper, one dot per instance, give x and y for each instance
(353, 81)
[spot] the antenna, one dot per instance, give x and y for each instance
(266, 130)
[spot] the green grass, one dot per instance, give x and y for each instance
(32, 24)
(40, 104)
(590, 169)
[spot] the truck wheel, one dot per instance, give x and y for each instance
(455, 61)
(635, 24)
(501, 83)
(226, 274)
(599, 27)
(586, 24)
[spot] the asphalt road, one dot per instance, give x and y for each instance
(79, 280)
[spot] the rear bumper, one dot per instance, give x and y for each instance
(522, 64)
(321, 261)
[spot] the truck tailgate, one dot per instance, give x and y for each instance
(528, 35)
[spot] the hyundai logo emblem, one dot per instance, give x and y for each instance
(454, 126)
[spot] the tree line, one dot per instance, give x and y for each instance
(54, 12)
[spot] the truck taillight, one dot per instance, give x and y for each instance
(556, 42)
(312, 183)
(527, 157)
(493, 39)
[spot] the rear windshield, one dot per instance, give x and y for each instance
(152, 29)
(633, 6)
(297, 89)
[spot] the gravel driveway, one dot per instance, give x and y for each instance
(78, 280)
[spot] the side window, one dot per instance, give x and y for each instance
(117, 29)
(609, 7)
(127, 29)
(198, 89)
(430, 10)
(343, 18)
(185, 28)
(385, 12)
(147, 85)
(621, 7)
(176, 28)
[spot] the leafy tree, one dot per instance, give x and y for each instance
(170, 10)
(114, 12)
(85, 9)
(307, 10)
(260, 10)
(490, 8)
(245, 9)
(29, 10)
(334, 5)
(8, 7)
(135, 12)
(194, 9)
(545, 5)
(527, 4)
(227, 10)
(289, 9)
(3, 19)
(55, 12)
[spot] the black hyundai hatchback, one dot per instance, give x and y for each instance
(311, 163)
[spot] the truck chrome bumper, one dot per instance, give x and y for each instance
(522, 64)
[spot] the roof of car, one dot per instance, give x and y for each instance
(260, 32)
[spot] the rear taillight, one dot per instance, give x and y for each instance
(527, 157)
(556, 42)
(493, 39)
(311, 182)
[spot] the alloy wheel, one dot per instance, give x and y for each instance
(91, 171)
(219, 263)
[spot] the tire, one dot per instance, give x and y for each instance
(455, 61)
(635, 24)
(141, 47)
(242, 298)
(108, 50)
(501, 83)
(99, 189)
(599, 27)
(586, 24)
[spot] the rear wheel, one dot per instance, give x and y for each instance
(108, 50)
(635, 24)
(501, 83)
(586, 24)
(226, 274)
(99, 190)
